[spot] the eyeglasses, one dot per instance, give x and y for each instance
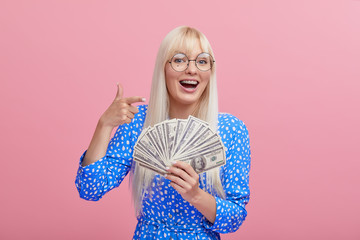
(180, 62)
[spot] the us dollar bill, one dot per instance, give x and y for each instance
(155, 140)
(159, 128)
(190, 140)
(169, 132)
(145, 160)
(211, 142)
(189, 130)
(180, 125)
(147, 147)
(204, 150)
(204, 162)
(202, 137)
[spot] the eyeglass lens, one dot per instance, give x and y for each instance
(180, 62)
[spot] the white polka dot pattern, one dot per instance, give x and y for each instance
(166, 215)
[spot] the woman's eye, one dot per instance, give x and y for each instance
(202, 62)
(178, 60)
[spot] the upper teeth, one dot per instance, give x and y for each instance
(189, 82)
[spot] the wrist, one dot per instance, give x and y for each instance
(198, 197)
(101, 124)
(206, 204)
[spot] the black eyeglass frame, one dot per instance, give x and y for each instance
(212, 59)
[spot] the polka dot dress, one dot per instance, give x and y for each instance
(166, 215)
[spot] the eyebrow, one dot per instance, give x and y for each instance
(187, 54)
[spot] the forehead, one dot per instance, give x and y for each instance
(189, 46)
(192, 51)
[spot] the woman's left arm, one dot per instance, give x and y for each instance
(222, 215)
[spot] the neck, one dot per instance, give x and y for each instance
(181, 111)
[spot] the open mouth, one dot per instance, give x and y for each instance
(190, 84)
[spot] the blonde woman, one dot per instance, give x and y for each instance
(183, 204)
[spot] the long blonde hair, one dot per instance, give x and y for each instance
(184, 38)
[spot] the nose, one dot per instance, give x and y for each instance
(191, 67)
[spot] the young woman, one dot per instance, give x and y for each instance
(182, 204)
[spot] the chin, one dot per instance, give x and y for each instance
(188, 100)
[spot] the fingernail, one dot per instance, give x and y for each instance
(167, 168)
(117, 83)
(174, 162)
(143, 99)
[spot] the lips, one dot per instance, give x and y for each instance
(189, 84)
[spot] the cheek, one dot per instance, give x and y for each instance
(167, 79)
(206, 80)
(169, 85)
(171, 78)
(206, 77)
(169, 75)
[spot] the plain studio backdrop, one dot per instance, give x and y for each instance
(289, 69)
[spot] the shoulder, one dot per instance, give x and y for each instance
(230, 127)
(230, 122)
(235, 136)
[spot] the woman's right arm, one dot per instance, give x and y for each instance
(119, 112)
(104, 165)
(98, 145)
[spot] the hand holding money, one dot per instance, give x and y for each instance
(191, 141)
(121, 110)
(184, 179)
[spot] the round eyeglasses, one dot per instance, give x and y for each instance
(180, 62)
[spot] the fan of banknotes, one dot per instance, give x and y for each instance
(190, 140)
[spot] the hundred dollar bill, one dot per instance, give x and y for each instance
(159, 128)
(169, 132)
(180, 125)
(200, 137)
(191, 139)
(155, 140)
(147, 145)
(159, 171)
(143, 132)
(153, 169)
(213, 140)
(188, 140)
(154, 156)
(189, 129)
(203, 135)
(205, 150)
(147, 161)
(204, 162)
(141, 136)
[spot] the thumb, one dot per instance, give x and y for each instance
(120, 91)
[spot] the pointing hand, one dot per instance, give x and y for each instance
(120, 111)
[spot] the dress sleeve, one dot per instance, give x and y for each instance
(230, 212)
(98, 178)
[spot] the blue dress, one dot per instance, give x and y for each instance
(167, 215)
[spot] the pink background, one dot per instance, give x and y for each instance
(288, 69)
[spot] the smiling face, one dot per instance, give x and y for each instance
(186, 88)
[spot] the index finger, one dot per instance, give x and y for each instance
(131, 100)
